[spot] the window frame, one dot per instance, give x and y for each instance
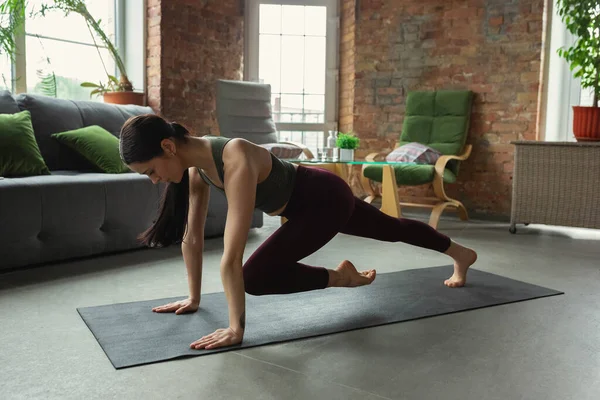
(251, 60)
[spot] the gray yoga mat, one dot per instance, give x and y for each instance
(131, 334)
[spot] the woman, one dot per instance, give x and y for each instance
(316, 203)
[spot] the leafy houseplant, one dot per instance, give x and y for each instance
(12, 16)
(347, 143)
(582, 18)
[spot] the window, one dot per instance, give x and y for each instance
(313, 140)
(61, 53)
(5, 72)
(292, 45)
(563, 91)
(587, 97)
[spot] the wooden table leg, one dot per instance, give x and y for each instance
(341, 170)
(390, 204)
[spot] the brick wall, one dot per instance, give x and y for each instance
(492, 47)
(191, 44)
(346, 83)
(153, 53)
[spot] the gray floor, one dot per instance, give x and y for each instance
(540, 349)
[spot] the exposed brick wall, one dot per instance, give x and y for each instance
(492, 47)
(346, 82)
(153, 53)
(196, 43)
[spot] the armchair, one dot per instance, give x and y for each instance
(441, 121)
(244, 110)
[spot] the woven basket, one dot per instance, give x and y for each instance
(556, 183)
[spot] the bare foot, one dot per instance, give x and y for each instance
(463, 259)
(346, 275)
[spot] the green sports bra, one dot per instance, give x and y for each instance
(272, 193)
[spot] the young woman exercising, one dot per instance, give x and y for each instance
(252, 177)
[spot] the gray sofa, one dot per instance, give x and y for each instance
(78, 211)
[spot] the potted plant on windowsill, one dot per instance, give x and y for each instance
(582, 18)
(117, 91)
(347, 143)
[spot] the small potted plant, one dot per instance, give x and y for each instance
(581, 18)
(347, 143)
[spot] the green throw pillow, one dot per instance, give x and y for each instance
(97, 145)
(19, 152)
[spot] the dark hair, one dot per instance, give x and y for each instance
(140, 141)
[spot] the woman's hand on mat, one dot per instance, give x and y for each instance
(182, 306)
(219, 338)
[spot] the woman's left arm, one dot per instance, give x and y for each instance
(241, 177)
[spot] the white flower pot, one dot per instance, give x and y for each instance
(346, 154)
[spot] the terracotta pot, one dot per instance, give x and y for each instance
(586, 123)
(125, 98)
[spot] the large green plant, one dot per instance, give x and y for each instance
(582, 18)
(12, 16)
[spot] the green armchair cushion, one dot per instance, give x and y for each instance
(408, 174)
(438, 119)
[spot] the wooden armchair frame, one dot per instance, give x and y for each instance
(439, 203)
(305, 150)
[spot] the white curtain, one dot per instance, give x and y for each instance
(563, 91)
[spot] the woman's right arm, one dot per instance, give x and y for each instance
(193, 245)
(193, 241)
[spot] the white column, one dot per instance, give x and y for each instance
(132, 40)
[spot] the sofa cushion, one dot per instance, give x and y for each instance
(19, 152)
(283, 151)
(109, 116)
(8, 104)
(50, 115)
(105, 213)
(97, 145)
(414, 152)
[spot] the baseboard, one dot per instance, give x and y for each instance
(423, 214)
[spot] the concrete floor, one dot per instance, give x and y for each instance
(540, 349)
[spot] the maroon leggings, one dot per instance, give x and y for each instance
(322, 205)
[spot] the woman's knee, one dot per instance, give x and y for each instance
(253, 280)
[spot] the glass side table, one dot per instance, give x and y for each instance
(390, 203)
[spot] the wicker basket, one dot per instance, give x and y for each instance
(556, 183)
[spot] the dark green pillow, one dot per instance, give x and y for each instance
(97, 145)
(19, 152)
